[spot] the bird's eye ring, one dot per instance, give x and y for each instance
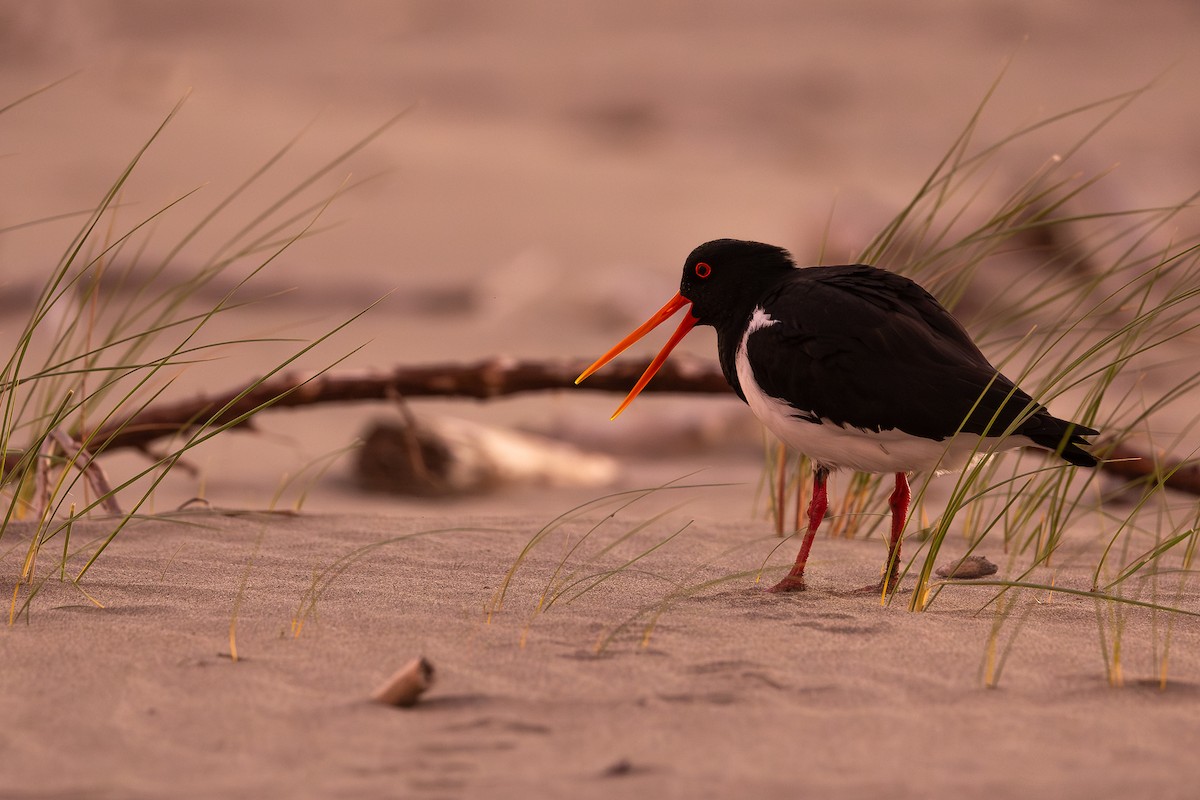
(702, 270)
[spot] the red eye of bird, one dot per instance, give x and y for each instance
(703, 270)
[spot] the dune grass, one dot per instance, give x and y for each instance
(1104, 297)
(113, 327)
(582, 566)
(1091, 303)
(323, 579)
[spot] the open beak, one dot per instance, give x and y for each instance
(662, 315)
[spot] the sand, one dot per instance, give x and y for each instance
(736, 692)
(554, 169)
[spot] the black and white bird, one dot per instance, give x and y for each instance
(855, 367)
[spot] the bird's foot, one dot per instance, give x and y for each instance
(791, 583)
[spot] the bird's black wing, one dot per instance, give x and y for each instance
(863, 347)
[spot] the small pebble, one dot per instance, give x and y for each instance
(969, 567)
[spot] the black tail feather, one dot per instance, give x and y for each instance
(1066, 442)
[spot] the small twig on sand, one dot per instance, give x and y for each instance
(87, 465)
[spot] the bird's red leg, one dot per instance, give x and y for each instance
(794, 580)
(898, 502)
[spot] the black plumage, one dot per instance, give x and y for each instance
(862, 347)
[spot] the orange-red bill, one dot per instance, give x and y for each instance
(662, 315)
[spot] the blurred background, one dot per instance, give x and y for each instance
(555, 164)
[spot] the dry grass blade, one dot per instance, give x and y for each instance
(1104, 298)
(92, 355)
(618, 501)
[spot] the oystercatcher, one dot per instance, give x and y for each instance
(854, 366)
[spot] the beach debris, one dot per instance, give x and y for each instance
(967, 568)
(61, 448)
(617, 769)
(406, 685)
(448, 457)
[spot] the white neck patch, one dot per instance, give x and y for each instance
(758, 320)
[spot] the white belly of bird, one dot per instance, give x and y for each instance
(845, 447)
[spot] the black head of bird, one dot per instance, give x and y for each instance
(723, 280)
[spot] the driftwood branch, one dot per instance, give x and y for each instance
(1127, 462)
(484, 380)
(87, 465)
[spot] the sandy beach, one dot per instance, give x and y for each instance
(550, 169)
(736, 692)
